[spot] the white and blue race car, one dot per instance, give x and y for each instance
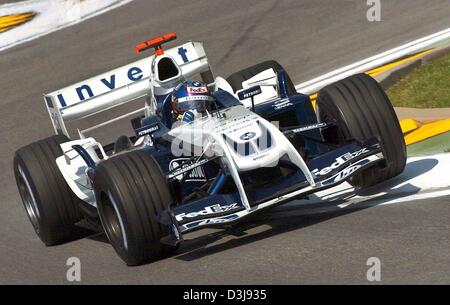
(260, 144)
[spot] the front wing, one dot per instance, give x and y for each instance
(329, 169)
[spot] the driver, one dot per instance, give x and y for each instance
(190, 99)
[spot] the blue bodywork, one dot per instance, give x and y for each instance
(211, 184)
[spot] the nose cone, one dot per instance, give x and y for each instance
(249, 140)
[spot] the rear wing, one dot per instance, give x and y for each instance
(117, 87)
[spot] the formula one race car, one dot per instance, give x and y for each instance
(259, 144)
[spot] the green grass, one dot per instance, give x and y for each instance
(431, 146)
(427, 86)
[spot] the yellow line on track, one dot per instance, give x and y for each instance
(426, 130)
(379, 70)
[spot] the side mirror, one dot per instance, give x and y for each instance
(249, 93)
(151, 126)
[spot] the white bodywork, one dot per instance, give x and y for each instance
(233, 129)
(142, 78)
(106, 91)
(268, 81)
(74, 168)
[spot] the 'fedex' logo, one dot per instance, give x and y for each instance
(339, 161)
(197, 90)
(213, 209)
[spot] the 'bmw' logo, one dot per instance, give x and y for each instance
(248, 136)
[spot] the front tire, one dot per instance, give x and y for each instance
(51, 206)
(131, 191)
(362, 110)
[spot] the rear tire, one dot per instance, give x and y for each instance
(362, 110)
(51, 206)
(236, 79)
(131, 191)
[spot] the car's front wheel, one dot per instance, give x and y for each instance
(362, 110)
(131, 191)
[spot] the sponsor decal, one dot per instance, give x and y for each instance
(179, 166)
(345, 173)
(247, 136)
(182, 52)
(195, 90)
(195, 98)
(235, 124)
(210, 221)
(339, 161)
(147, 130)
(245, 94)
(209, 210)
(282, 104)
(309, 127)
(260, 157)
(113, 80)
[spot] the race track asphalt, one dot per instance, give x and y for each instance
(309, 38)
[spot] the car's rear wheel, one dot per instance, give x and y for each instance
(131, 191)
(50, 204)
(362, 110)
(236, 79)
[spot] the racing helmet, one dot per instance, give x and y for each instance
(191, 96)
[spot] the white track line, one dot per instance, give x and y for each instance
(330, 208)
(417, 182)
(424, 178)
(315, 84)
(326, 208)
